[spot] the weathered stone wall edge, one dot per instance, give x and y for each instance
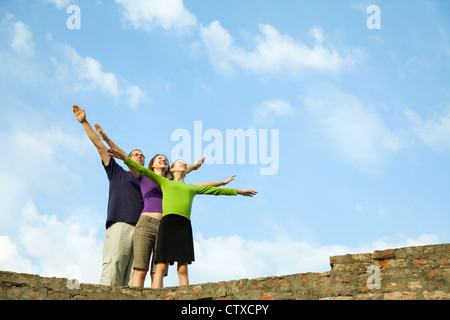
(411, 273)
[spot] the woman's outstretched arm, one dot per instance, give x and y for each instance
(215, 184)
(247, 193)
(224, 191)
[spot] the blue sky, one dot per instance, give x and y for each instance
(362, 116)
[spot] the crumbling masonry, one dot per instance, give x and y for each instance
(412, 273)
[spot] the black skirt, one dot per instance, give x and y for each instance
(175, 241)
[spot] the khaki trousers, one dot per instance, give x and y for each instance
(118, 255)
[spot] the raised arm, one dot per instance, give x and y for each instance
(196, 165)
(80, 115)
(112, 145)
(101, 133)
(215, 184)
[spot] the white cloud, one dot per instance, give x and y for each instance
(90, 69)
(82, 73)
(40, 150)
(274, 52)
(57, 246)
(233, 257)
(269, 110)
(317, 34)
(434, 133)
(10, 197)
(400, 241)
(22, 39)
(357, 134)
(91, 76)
(18, 36)
(11, 260)
(59, 4)
(135, 94)
(168, 14)
(42, 164)
(43, 161)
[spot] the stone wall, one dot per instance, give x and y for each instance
(412, 273)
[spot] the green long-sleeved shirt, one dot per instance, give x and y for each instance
(178, 196)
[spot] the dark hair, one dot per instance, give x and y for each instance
(129, 155)
(150, 165)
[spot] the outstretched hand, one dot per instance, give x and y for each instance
(117, 154)
(199, 163)
(79, 113)
(229, 179)
(100, 132)
(247, 193)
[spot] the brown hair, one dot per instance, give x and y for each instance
(150, 165)
(173, 164)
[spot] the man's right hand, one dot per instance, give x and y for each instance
(79, 113)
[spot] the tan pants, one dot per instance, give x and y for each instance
(144, 243)
(118, 255)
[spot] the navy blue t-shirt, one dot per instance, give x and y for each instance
(125, 201)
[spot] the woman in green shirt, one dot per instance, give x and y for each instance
(175, 241)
